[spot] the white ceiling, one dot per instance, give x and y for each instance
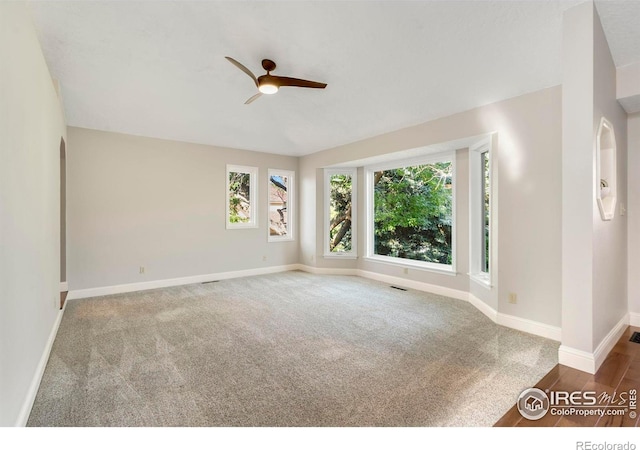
(621, 22)
(157, 68)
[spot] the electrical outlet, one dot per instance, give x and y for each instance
(513, 298)
(141, 270)
(264, 257)
(405, 271)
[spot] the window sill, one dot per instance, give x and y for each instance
(339, 256)
(426, 267)
(280, 239)
(241, 227)
(483, 279)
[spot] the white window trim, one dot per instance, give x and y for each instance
(353, 172)
(369, 213)
(253, 191)
(290, 174)
(413, 264)
(484, 279)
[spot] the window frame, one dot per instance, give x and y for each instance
(485, 241)
(476, 212)
(328, 173)
(253, 197)
(370, 255)
(291, 176)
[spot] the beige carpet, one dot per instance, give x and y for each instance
(290, 349)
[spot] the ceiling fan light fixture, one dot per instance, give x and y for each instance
(270, 84)
(267, 88)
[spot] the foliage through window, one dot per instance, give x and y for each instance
(241, 193)
(413, 212)
(486, 190)
(340, 196)
(280, 205)
(480, 205)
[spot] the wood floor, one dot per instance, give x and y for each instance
(620, 372)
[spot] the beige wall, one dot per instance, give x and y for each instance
(31, 125)
(594, 251)
(609, 237)
(578, 191)
(63, 211)
(529, 191)
(135, 201)
(633, 217)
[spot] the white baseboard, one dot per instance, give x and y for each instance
(578, 359)
(484, 308)
(517, 323)
(634, 319)
(133, 287)
(526, 325)
(609, 341)
(530, 326)
(326, 270)
(417, 285)
(591, 362)
(25, 411)
(64, 286)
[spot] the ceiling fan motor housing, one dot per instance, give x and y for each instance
(268, 65)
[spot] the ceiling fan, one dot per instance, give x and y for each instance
(269, 84)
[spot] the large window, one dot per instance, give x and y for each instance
(340, 210)
(411, 212)
(241, 197)
(480, 208)
(281, 204)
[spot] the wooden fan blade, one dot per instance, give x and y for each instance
(255, 97)
(297, 82)
(243, 68)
